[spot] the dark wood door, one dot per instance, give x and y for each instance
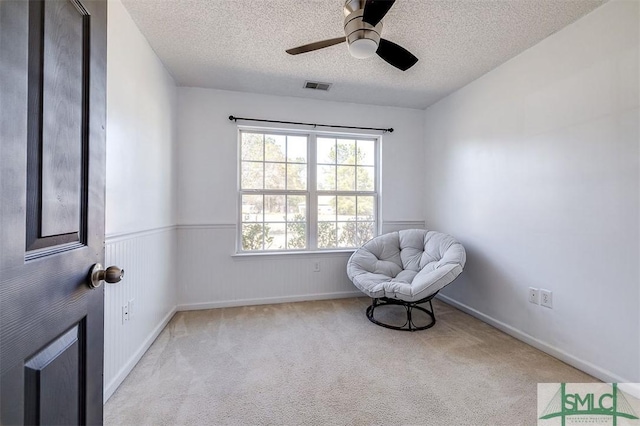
(52, 161)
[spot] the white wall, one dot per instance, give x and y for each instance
(534, 168)
(207, 196)
(140, 195)
(141, 99)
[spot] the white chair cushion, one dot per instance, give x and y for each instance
(407, 265)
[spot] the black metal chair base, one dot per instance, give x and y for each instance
(409, 306)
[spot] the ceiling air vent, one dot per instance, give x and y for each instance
(316, 85)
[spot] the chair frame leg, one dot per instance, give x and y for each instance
(409, 306)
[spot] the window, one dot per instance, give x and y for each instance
(306, 191)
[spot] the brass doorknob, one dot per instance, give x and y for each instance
(112, 275)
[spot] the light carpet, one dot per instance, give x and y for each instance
(324, 363)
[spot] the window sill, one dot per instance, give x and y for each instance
(308, 253)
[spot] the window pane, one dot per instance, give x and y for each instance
(252, 208)
(347, 234)
(366, 208)
(366, 176)
(327, 208)
(296, 208)
(274, 176)
(327, 235)
(326, 178)
(297, 235)
(252, 148)
(276, 187)
(365, 232)
(274, 238)
(346, 208)
(274, 208)
(297, 176)
(252, 174)
(326, 151)
(367, 153)
(346, 178)
(297, 149)
(275, 147)
(252, 236)
(346, 151)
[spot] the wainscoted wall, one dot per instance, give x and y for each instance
(149, 261)
(211, 276)
(140, 211)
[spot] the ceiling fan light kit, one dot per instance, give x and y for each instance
(362, 29)
(363, 48)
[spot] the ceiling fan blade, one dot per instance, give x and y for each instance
(315, 46)
(396, 55)
(374, 10)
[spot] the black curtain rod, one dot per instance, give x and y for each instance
(232, 118)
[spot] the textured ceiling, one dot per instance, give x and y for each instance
(240, 44)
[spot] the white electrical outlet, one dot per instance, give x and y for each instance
(316, 267)
(534, 296)
(125, 313)
(546, 298)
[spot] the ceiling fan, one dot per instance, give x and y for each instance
(362, 29)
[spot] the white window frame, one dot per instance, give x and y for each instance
(312, 192)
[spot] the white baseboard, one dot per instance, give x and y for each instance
(587, 367)
(267, 300)
(126, 369)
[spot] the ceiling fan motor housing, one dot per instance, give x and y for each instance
(363, 38)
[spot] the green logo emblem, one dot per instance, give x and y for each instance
(611, 404)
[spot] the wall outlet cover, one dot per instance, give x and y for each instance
(534, 296)
(125, 313)
(546, 298)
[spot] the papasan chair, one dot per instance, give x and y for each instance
(406, 268)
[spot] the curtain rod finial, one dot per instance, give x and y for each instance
(390, 130)
(232, 118)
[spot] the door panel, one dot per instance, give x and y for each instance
(52, 166)
(57, 137)
(61, 117)
(53, 385)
